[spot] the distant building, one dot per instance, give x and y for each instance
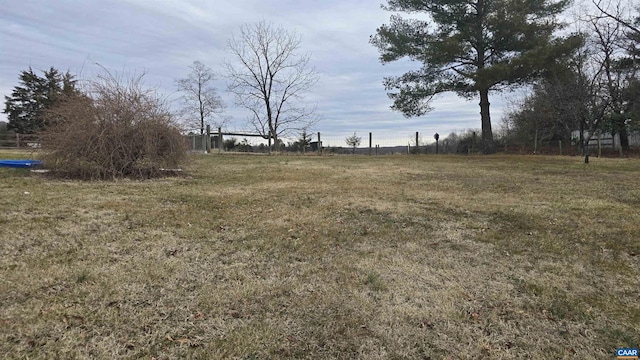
(606, 140)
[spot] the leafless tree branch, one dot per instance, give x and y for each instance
(617, 16)
(269, 78)
(199, 98)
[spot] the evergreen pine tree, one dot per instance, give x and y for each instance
(469, 47)
(26, 106)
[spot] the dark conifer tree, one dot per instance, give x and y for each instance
(470, 47)
(26, 106)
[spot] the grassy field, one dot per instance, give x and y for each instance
(267, 257)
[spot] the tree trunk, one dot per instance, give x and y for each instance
(276, 143)
(581, 138)
(201, 123)
(200, 100)
(624, 137)
(487, 134)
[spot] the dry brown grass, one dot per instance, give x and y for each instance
(254, 257)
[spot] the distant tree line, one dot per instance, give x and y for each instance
(584, 80)
(596, 89)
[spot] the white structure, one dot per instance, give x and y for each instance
(606, 140)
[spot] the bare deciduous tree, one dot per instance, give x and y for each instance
(199, 98)
(270, 78)
(617, 15)
(587, 93)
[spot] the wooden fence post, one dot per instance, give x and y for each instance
(473, 144)
(208, 149)
(370, 142)
(560, 146)
(220, 145)
(319, 144)
(417, 143)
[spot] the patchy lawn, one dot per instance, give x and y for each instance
(255, 257)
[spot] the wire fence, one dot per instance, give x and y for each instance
(370, 143)
(384, 143)
(9, 140)
(377, 142)
(329, 142)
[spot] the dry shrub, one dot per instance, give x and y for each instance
(113, 129)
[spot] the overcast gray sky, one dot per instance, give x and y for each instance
(164, 37)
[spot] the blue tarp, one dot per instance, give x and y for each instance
(20, 163)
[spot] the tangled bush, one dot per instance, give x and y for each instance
(112, 130)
